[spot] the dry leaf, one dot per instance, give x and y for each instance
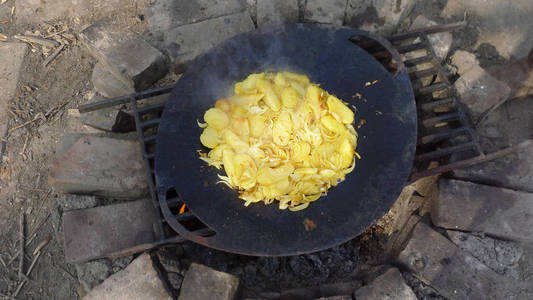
(3, 1)
(3, 37)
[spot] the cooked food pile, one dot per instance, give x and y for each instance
(280, 137)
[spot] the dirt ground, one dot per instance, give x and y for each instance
(45, 94)
(45, 91)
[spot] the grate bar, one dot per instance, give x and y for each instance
(432, 88)
(440, 119)
(445, 151)
(411, 47)
(415, 61)
(438, 137)
(150, 123)
(433, 104)
(424, 73)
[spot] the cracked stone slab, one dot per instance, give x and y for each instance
(500, 256)
(496, 211)
(480, 92)
(390, 285)
(513, 171)
(101, 166)
(277, 12)
(164, 15)
(139, 280)
(201, 282)
(185, 42)
(125, 54)
(378, 16)
(454, 273)
(325, 12)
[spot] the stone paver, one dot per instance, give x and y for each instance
(107, 84)
(440, 42)
(201, 283)
(464, 61)
(501, 23)
(276, 12)
(11, 59)
(164, 15)
(513, 171)
(109, 119)
(185, 42)
(130, 58)
(139, 280)
(497, 211)
(71, 202)
(500, 256)
(480, 92)
(380, 16)
(388, 286)
(92, 273)
(101, 166)
(326, 12)
(107, 231)
(454, 273)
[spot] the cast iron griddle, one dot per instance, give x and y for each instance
(386, 142)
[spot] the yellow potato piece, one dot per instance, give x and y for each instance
(216, 118)
(271, 175)
(289, 97)
(271, 98)
(234, 141)
(313, 95)
(332, 124)
(257, 125)
(282, 129)
(338, 108)
(297, 77)
(209, 137)
(280, 138)
(299, 151)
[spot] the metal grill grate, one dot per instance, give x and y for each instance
(443, 127)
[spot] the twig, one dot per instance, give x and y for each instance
(33, 235)
(37, 40)
(33, 262)
(3, 141)
(41, 245)
(19, 287)
(21, 249)
(56, 33)
(53, 55)
(37, 117)
(3, 262)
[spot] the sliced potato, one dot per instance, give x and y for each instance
(216, 118)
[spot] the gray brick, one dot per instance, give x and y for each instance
(107, 84)
(108, 231)
(326, 12)
(276, 12)
(389, 285)
(480, 92)
(440, 42)
(11, 59)
(452, 272)
(496, 211)
(513, 171)
(125, 54)
(139, 280)
(186, 42)
(101, 166)
(380, 16)
(201, 283)
(164, 15)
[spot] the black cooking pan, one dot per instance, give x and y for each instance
(326, 54)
